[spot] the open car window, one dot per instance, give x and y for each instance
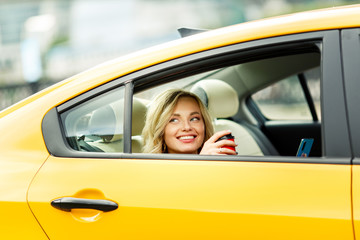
(224, 91)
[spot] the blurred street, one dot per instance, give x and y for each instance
(45, 41)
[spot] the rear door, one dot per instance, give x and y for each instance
(82, 193)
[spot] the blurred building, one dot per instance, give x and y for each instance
(66, 37)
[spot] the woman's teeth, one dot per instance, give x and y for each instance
(186, 137)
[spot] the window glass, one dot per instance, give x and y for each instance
(285, 100)
(97, 124)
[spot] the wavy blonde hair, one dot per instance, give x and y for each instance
(159, 114)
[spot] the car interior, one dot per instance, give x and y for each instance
(234, 96)
(222, 102)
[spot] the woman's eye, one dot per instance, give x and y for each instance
(195, 119)
(173, 120)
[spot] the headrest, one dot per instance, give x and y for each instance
(218, 96)
(107, 122)
(138, 116)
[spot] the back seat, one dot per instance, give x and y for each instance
(222, 102)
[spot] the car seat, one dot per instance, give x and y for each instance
(138, 123)
(106, 123)
(222, 102)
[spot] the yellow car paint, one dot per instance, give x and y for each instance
(173, 199)
(356, 199)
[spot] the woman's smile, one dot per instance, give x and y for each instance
(187, 139)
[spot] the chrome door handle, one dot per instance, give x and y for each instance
(69, 203)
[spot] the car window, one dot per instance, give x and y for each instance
(285, 100)
(223, 89)
(97, 124)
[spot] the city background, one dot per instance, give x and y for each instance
(45, 41)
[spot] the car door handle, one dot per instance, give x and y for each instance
(69, 203)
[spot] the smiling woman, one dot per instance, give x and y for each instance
(184, 133)
(178, 122)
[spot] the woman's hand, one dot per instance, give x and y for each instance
(212, 147)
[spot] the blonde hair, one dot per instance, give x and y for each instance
(158, 116)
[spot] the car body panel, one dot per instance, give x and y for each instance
(18, 222)
(356, 197)
(22, 153)
(198, 199)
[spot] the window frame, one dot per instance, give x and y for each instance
(203, 61)
(350, 40)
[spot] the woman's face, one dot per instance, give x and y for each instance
(185, 131)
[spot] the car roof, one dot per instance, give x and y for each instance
(324, 19)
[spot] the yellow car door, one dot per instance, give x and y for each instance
(182, 199)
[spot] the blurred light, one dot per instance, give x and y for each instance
(41, 23)
(31, 60)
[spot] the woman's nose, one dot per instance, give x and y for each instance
(186, 126)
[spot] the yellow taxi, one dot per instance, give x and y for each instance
(71, 160)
